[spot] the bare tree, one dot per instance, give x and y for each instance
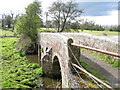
(55, 11)
(64, 12)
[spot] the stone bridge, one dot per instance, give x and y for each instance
(54, 48)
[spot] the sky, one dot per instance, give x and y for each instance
(104, 12)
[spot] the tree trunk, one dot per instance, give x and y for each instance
(59, 22)
(63, 26)
(58, 26)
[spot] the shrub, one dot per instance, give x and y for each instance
(116, 64)
(39, 71)
(26, 82)
(35, 65)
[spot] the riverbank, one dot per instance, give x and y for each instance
(110, 73)
(16, 71)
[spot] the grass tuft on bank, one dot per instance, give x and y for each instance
(16, 71)
(114, 62)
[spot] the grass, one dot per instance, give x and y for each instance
(6, 33)
(98, 33)
(16, 71)
(89, 68)
(114, 62)
(47, 30)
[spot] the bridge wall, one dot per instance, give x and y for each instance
(94, 41)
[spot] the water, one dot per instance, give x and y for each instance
(49, 80)
(53, 81)
(32, 58)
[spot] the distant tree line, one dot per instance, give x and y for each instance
(86, 25)
(115, 28)
(8, 21)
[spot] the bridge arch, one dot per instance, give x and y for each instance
(56, 67)
(46, 65)
(57, 48)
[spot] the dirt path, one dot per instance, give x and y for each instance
(109, 72)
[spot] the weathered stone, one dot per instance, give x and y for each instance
(94, 41)
(59, 46)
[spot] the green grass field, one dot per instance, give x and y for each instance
(98, 33)
(6, 33)
(47, 30)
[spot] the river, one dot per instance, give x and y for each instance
(48, 80)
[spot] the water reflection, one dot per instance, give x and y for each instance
(50, 81)
(32, 58)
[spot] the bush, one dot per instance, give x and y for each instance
(35, 65)
(39, 72)
(116, 64)
(26, 82)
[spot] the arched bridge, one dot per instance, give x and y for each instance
(55, 46)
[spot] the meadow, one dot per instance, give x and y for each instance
(4, 33)
(97, 33)
(101, 33)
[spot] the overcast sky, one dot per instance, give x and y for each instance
(104, 12)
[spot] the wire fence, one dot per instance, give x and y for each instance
(91, 76)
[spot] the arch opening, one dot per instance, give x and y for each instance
(46, 65)
(56, 68)
(51, 71)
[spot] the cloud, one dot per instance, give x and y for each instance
(97, 8)
(111, 19)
